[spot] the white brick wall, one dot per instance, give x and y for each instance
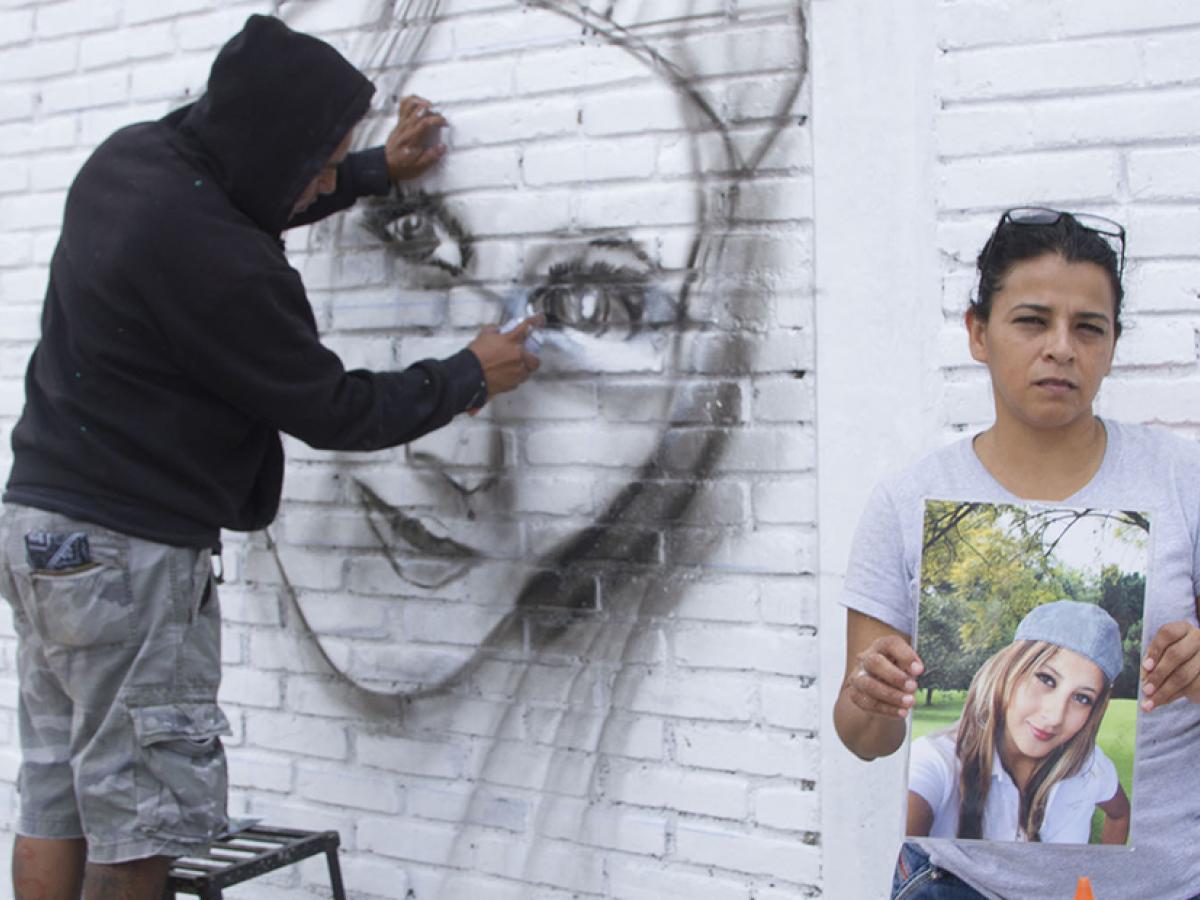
(1095, 112)
(662, 745)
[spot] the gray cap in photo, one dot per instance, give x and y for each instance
(1083, 627)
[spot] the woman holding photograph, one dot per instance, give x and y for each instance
(1022, 762)
(1045, 322)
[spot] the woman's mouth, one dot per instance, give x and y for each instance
(1055, 385)
(1040, 734)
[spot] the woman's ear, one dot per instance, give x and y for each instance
(976, 334)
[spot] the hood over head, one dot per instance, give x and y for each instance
(278, 104)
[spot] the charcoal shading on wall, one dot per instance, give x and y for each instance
(527, 560)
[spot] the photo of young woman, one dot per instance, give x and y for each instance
(1022, 762)
(1045, 322)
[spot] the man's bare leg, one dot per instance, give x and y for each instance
(140, 879)
(47, 869)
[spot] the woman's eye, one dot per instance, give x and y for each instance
(1030, 320)
(1046, 679)
(1085, 699)
(1092, 329)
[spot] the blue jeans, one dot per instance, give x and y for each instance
(916, 878)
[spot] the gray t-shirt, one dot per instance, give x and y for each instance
(1143, 469)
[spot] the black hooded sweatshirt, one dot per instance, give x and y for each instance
(177, 341)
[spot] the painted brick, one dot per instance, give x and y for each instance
(724, 698)
(733, 647)
(53, 172)
(16, 27)
(787, 703)
(705, 794)
(296, 735)
(396, 754)
(1079, 17)
(1171, 58)
(250, 688)
(787, 808)
(727, 847)
(1010, 71)
(1170, 231)
(16, 104)
(108, 48)
(587, 162)
(756, 751)
(40, 60)
(176, 80)
(1151, 342)
(788, 602)
(785, 501)
(1162, 287)
(975, 22)
(627, 830)
(1121, 118)
(137, 11)
(264, 771)
(58, 19)
(1168, 173)
(1076, 177)
(637, 880)
(334, 785)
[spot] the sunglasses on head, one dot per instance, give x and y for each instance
(1040, 215)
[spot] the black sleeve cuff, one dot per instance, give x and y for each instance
(368, 172)
(465, 381)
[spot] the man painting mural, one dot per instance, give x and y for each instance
(177, 343)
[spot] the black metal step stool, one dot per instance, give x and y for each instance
(249, 853)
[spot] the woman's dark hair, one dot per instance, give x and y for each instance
(1014, 242)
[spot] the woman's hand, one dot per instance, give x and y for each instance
(879, 688)
(884, 679)
(1171, 667)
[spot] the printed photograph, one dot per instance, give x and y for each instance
(1030, 629)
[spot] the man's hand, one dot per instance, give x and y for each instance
(884, 680)
(413, 145)
(505, 361)
(1171, 667)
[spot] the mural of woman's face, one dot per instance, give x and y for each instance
(574, 187)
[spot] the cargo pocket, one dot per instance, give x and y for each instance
(87, 606)
(181, 783)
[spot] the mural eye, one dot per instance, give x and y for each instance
(593, 298)
(418, 228)
(414, 236)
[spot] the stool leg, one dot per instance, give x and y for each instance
(335, 875)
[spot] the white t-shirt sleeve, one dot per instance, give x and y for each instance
(929, 773)
(877, 579)
(1105, 774)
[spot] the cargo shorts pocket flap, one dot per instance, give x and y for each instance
(195, 723)
(182, 778)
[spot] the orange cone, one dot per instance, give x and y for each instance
(1083, 890)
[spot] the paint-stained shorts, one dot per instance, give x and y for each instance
(119, 660)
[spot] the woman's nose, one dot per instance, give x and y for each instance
(1054, 710)
(1059, 345)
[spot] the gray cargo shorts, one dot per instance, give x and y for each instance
(119, 661)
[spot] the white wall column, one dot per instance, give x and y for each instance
(878, 314)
